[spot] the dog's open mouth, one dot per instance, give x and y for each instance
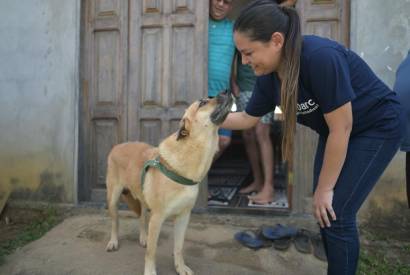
(225, 101)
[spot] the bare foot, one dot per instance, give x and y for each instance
(262, 197)
(253, 187)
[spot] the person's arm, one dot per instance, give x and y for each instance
(340, 123)
(239, 121)
(288, 3)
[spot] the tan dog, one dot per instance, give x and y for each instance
(189, 153)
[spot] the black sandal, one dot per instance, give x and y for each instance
(318, 247)
(302, 241)
(282, 243)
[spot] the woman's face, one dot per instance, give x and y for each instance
(263, 57)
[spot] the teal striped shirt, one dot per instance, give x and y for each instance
(221, 49)
(246, 78)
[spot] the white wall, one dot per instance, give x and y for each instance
(39, 55)
(380, 33)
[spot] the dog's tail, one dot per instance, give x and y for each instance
(133, 204)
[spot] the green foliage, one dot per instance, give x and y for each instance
(374, 263)
(32, 232)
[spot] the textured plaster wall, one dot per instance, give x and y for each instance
(39, 52)
(380, 33)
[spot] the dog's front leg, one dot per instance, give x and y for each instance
(154, 229)
(143, 226)
(181, 224)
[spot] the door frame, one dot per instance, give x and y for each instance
(300, 192)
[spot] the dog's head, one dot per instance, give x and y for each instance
(205, 113)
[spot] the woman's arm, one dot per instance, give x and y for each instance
(239, 121)
(289, 3)
(340, 123)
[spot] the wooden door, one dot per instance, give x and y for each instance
(103, 120)
(168, 54)
(327, 18)
(143, 63)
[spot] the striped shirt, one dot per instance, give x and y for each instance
(220, 54)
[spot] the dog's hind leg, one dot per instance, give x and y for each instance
(154, 229)
(181, 224)
(113, 209)
(143, 226)
(132, 203)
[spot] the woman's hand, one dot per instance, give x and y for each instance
(322, 206)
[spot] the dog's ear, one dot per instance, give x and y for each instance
(183, 130)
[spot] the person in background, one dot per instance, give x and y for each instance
(257, 141)
(323, 85)
(220, 56)
(402, 88)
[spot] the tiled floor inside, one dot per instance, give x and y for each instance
(225, 181)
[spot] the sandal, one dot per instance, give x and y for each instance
(302, 241)
(318, 247)
(252, 239)
(282, 243)
(278, 232)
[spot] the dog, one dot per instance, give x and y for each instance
(188, 153)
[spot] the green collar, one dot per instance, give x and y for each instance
(171, 175)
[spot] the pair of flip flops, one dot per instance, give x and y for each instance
(307, 242)
(252, 239)
(280, 236)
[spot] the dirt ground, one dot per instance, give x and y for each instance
(13, 221)
(76, 246)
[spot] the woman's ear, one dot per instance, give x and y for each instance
(278, 40)
(183, 130)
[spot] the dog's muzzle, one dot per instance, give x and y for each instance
(224, 101)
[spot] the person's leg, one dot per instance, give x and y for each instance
(266, 152)
(224, 141)
(366, 160)
(252, 151)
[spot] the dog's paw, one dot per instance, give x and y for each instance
(112, 246)
(143, 240)
(150, 271)
(184, 270)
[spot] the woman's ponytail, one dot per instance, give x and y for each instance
(290, 80)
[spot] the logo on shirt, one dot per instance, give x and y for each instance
(307, 107)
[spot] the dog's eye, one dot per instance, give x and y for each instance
(203, 102)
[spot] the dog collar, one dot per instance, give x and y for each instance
(171, 175)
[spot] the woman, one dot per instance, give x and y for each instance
(330, 89)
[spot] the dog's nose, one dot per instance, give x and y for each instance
(226, 92)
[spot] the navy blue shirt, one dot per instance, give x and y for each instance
(330, 76)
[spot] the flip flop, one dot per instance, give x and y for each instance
(302, 241)
(278, 232)
(252, 239)
(318, 247)
(282, 243)
(259, 202)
